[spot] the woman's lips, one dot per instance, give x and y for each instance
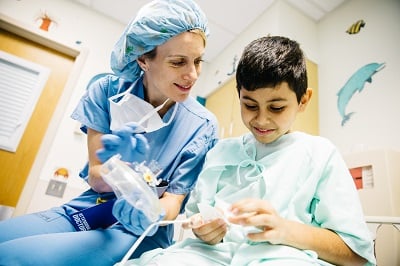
(184, 88)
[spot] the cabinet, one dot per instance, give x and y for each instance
(381, 198)
(224, 103)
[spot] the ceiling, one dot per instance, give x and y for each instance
(224, 26)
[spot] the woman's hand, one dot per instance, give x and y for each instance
(130, 146)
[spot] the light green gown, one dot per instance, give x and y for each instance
(303, 177)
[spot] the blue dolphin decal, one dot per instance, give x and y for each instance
(355, 83)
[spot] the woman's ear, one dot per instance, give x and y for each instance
(142, 63)
(305, 99)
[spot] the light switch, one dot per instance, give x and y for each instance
(56, 188)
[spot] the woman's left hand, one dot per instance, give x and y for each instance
(125, 141)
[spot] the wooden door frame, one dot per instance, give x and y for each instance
(80, 55)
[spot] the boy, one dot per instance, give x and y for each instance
(287, 197)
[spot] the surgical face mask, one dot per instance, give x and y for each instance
(133, 109)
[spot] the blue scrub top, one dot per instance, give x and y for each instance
(179, 148)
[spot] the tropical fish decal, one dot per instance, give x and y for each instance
(354, 84)
(356, 27)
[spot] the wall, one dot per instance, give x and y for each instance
(74, 23)
(338, 55)
(375, 122)
(279, 19)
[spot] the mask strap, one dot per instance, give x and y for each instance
(116, 96)
(152, 112)
(173, 114)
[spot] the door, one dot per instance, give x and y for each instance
(15, 167)
(224, 103)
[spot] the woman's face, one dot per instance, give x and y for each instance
(175, 69)
(270, 112)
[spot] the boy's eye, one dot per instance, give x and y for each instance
(251, 107)
(276, 109)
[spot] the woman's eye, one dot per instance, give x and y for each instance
(178, 63)
(198, 62)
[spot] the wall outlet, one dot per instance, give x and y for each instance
(56, 188)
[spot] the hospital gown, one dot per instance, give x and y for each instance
(302, 176)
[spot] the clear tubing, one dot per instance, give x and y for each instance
(145, 233)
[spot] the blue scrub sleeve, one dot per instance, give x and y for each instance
(93, 109)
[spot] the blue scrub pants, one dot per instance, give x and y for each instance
(48, 238)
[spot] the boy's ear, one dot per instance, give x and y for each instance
(305, 99)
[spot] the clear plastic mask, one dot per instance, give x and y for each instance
(136, 183)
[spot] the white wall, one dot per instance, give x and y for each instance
(375, 123)
(279, 19)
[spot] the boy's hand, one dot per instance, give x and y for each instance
(212, 231)
(260, 215)
(194, 221)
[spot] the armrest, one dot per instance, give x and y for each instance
(374, 222)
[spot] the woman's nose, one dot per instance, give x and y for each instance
(192, 73)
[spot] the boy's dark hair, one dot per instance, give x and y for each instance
(269, 61)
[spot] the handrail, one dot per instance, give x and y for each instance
(393, 220)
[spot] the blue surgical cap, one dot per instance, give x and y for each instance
(154, 24)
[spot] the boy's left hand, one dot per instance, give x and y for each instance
(259, 213)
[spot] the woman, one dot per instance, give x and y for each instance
(156, 62)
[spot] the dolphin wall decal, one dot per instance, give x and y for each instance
(355, 83)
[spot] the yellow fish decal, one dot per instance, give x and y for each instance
(356, 27)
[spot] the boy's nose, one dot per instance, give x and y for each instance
(263, 118)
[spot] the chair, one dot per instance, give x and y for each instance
(374, 224)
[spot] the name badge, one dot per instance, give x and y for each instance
(98, 216)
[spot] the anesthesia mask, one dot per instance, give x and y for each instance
(136, 183)
(134, 109)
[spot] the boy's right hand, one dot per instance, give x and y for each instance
(211, 232)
